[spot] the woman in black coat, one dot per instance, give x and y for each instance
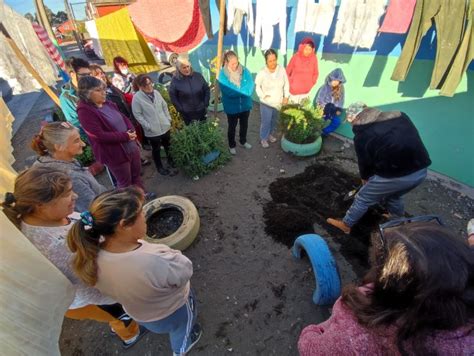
(189, 92)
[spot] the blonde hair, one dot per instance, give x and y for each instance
(36, 185)
(105, 214)
(54, 133)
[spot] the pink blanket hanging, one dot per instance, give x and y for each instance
(191, 38)
(166, 20)
(398, 16)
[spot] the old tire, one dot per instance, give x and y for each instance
(326, 274)
(301, 150)
(182, 238)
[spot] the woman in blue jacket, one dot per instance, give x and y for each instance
(236, 84)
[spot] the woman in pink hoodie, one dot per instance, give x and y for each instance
(302, 70)
(418, 298)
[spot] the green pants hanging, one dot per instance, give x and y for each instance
(449, 17)
(464, 56)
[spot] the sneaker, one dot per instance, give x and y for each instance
(149, 196)
(247, 145)
(145, 162)
(264, 143)
(232, 151)
(196, 334)
(129, 343)
(272, 139)
(163, 171)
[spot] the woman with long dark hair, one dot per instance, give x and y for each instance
(417, 299)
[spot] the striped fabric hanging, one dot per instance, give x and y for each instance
(50, 47)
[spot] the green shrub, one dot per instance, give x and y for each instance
(194, 141)
(176, 120)
(301, 123)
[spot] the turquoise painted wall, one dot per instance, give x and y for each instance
(445, 124)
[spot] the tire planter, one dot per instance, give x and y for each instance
(328, 282)
(184, 236)
(301, 150)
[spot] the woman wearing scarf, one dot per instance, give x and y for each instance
(189, 92)
(237, 86)
(122, 78)
(302, 71)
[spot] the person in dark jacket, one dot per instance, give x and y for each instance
(392, 161)
(189, 92)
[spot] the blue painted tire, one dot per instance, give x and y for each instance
(328, 282)
(301, 150)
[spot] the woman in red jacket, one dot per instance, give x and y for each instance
(302, 71)
(111, 134)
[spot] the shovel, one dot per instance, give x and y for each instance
(350, 195)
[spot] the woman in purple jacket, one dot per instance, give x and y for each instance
(111, 134)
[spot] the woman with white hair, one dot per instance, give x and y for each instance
(189, 92)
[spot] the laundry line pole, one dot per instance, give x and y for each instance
(28, 65)
(220, 42)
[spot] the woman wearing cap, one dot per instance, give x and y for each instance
(392, 161)
(417, 298)
(189, 92)
(302, 71)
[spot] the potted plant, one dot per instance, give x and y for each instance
(199, 148)
(301, 125)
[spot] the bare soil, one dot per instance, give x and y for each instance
(164, 223)
(253, 296)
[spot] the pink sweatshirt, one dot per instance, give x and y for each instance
(302, 71)
(341, 334)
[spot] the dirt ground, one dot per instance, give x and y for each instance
(254, 297)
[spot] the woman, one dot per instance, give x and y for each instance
(57, 144)
(111, 134)
(151, 111)
(331, 98)
(189, 92)
(236, 85)
(111, 255)
(122, 78)
(272, 88)
(417, 299)
(302, 71)
(42, 206)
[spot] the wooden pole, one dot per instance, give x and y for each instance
(28, 66)
(220, 42)
(43, 18)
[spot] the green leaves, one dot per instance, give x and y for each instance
(301, 123)
(190, 144)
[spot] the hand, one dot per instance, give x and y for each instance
(132, 135)
(284, 101)
(338, 113)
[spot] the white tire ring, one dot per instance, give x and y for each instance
(182, 238)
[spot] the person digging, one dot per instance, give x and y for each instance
(392, 161)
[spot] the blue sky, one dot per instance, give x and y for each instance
(24, 6)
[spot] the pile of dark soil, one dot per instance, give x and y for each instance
(164, 222)
(313, 196)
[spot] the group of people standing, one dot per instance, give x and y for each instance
(275, 87)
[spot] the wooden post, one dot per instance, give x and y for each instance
(220, 41)
(28, 66)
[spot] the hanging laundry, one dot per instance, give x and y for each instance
(49, 46)
(449, 17)
(315, 17)
(11, 69)
(236, 10)
(268, 14)
(191, 39)
(398, 16)
(358, 22)
(173, 20)
(118, 37)
(94, 35)
(464, 56)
